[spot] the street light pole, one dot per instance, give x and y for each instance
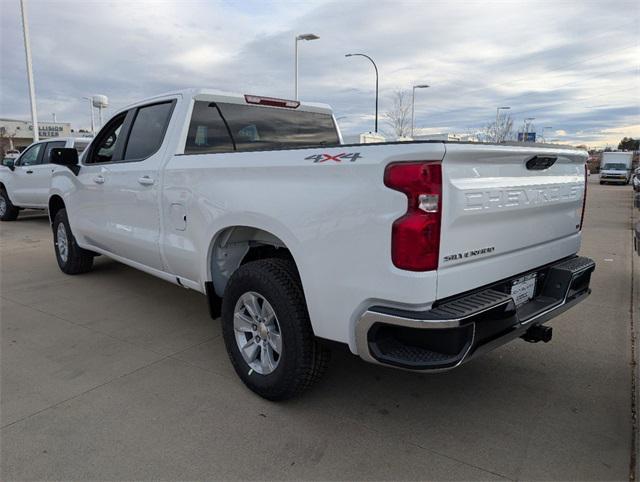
(376, 69)
(506, 107)
(32, 89)
(306, 36)
(413, 103)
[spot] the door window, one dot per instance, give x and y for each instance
(47, 151)
(148, 130)
(106, 141)
(30, 156)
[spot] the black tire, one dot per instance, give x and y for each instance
(303, 360)
(8, 212)
(76, 260)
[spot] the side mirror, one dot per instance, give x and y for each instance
(10, 163)
(65, 156)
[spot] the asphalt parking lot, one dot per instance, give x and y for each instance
(116, 375)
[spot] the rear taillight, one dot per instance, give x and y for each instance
(415, 237)
(584, 197)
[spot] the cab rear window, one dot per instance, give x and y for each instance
(222, 127)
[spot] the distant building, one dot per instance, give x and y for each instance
(447, 136)
(371, 138)
(18, 134)
(364, 138)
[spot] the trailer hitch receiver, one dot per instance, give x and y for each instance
(538, 333)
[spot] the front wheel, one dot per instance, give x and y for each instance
(267, 332)
(8, 212)
(72, 259)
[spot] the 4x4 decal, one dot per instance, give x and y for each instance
(318, 158)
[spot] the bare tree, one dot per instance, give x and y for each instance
(499, 130)
(399, 116)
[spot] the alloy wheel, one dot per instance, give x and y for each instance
(257, 333)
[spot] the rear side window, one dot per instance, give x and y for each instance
(148, 130)
(253, 128)
(47, 151)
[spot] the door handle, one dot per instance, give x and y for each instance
(98, 180)
(145, 181)
(29, 171)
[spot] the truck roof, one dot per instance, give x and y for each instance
(215, 95)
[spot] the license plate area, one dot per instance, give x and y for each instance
(523, 289)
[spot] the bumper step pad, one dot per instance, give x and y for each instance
(455, 329)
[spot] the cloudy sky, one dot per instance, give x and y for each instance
(573, 65)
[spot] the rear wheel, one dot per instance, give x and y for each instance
(72, 259)
(8, 212)
(267, 331)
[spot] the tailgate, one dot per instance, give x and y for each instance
(503, 215)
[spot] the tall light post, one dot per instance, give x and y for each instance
(413, 103)
(93, 127)
(32, 89)
(506, 107)
(305, 36)
(376, 69)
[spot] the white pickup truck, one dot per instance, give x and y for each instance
(25, 179)
(417, 255)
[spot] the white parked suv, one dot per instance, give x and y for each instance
(25, 179)
(418, 255)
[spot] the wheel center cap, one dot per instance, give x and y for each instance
(263, 331)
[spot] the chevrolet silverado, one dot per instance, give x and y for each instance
(416, 255)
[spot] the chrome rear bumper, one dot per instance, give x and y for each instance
(460, 328)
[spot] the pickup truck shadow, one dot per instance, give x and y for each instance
(158, 306)
(486, 397)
